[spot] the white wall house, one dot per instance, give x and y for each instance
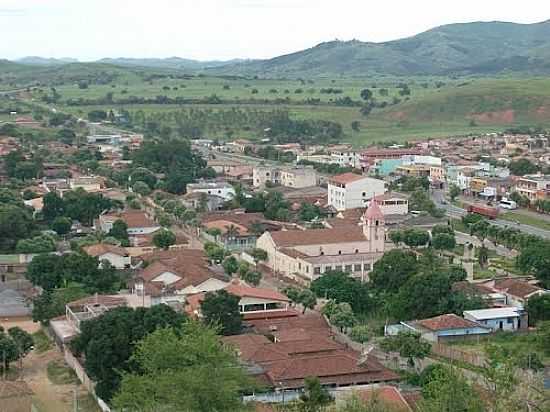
(507, 318)
(221, 189)
(351, 191)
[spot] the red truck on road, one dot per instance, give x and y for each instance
(487, 211)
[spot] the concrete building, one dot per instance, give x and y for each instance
(87, 183)
(392, 203)
(346, 158)
(508, 318)
(297, 177)
(534, 187)
(440, 328)
(138, 222)
(350, 190)
(221, 189)
(304, 255)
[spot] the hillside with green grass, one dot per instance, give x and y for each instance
(480, 48)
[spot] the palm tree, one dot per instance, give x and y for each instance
(232, 231)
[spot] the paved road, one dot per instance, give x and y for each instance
(457, 212)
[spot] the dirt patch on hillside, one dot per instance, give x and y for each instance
(398, 116)
(499, 117)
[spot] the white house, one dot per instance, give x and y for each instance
(221, 189)
(306, 254)
(446, 327)
(117, 256)
(508, 318)
(392, 203)
(254, 302)
(138, 222)
(345, 158)
(350, 190)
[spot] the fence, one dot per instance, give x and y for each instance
(84, 379)
(449, 352)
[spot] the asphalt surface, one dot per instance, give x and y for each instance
(456, 212)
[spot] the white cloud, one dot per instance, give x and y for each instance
(223, 29)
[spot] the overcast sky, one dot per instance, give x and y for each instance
(225, 29)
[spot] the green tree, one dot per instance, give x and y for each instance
(230, 265)
(535, 260)
(396, 236)
(107, 342)
(360, 333)
(50, 304)
(119, 230)
(16, 224)
(409, 345)
(141, 188)
(38, 244)
(443, 241)
(214, 252)
(522, 167)
(341, 287)
(259, 255)
(393, 270)
(222, 308)
(252, 277)
(538, 308)
(164, 238)
(454, 192)
(62, 225)
(22, 339)
(449, 391)
(8, 349)
(183, 369)
(415, 237)
(315, 396)
(307, 299)
(366, 94)
(342, 316)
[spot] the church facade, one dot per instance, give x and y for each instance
(304, 255)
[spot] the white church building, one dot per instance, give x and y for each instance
(304, 255)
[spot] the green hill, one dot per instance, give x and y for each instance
(466, 48)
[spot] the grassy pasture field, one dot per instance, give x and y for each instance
(452, 107)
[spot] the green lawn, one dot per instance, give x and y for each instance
(42, 342)
(515, 342)
(60, 374)
(525, 220)
(492, 104)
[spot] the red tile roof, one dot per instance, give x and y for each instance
(241, 290)
(516, 287)
(390, 396)
(318, 236)
(374, 212)
(448, 321)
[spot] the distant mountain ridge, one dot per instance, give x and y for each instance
(479, 48)
(462, 48)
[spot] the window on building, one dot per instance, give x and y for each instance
(338, 268)
(348, 268)
(366, 266)
(510, 320)
(317, 270)
(339, 252)
(356, 250)
(357, 268)
(364, 194)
